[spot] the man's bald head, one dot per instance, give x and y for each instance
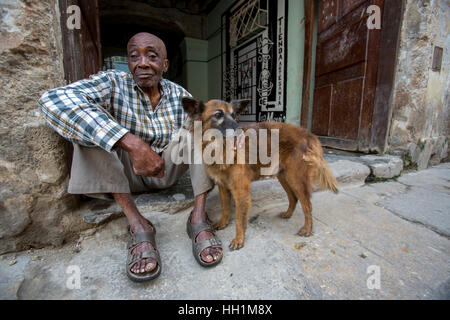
(149, 38)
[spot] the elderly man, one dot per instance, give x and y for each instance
(123, 129)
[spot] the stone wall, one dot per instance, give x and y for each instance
(420, 119)
(35, 209)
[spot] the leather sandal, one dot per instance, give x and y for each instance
(135, 240)
(198, 247)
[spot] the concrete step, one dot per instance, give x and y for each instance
(349, 168)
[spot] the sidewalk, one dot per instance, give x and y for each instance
(401, 226)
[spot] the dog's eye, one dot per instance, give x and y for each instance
(219, 114)
(233, 115)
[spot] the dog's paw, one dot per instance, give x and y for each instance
(305, 232)
(220, 225)
(236, 244)
(285, 215)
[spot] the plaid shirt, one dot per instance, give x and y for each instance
(100, 110)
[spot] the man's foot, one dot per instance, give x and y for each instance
(210, 254)
(205, 245)
(145, 265)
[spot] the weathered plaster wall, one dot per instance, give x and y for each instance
(34, 205)
(420, 119)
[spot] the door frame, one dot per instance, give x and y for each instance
(375, 127)
(74, 41)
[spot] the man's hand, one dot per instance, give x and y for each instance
(146, 162)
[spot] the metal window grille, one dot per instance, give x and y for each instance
(250, 18)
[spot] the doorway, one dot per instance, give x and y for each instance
(351, 73)
(118, 23)
(107, 25)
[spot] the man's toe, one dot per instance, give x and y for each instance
(211, 254)
(151, 264)
(145, 265)
(216, 253)
(207, 257)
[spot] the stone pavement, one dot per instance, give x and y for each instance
(399, 227)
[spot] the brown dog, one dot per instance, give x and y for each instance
(300, 165)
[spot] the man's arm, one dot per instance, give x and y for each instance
(75, 112)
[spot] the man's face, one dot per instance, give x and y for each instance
(147, 59)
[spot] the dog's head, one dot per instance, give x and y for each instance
(216, 114)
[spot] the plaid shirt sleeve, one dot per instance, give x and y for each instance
(78, 112)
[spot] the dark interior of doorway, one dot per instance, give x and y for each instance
(118, 26)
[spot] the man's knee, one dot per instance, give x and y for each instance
(95, 170)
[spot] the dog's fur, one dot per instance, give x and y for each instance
(301, 164)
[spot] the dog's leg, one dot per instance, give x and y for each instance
(225, 199)
(301, 186)
(291, 196)
(243, 204)
(304, 196)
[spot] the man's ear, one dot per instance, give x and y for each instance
(240, 105)
(166, 65)
(192, 106)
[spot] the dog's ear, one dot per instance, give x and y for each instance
(240, 105)
(192, 106)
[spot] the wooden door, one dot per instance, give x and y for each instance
(348, 63)
(82, 47)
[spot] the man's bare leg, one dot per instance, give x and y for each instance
(137, 224)
(199, 216)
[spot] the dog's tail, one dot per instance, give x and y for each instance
(322, 174)
(326, 178)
